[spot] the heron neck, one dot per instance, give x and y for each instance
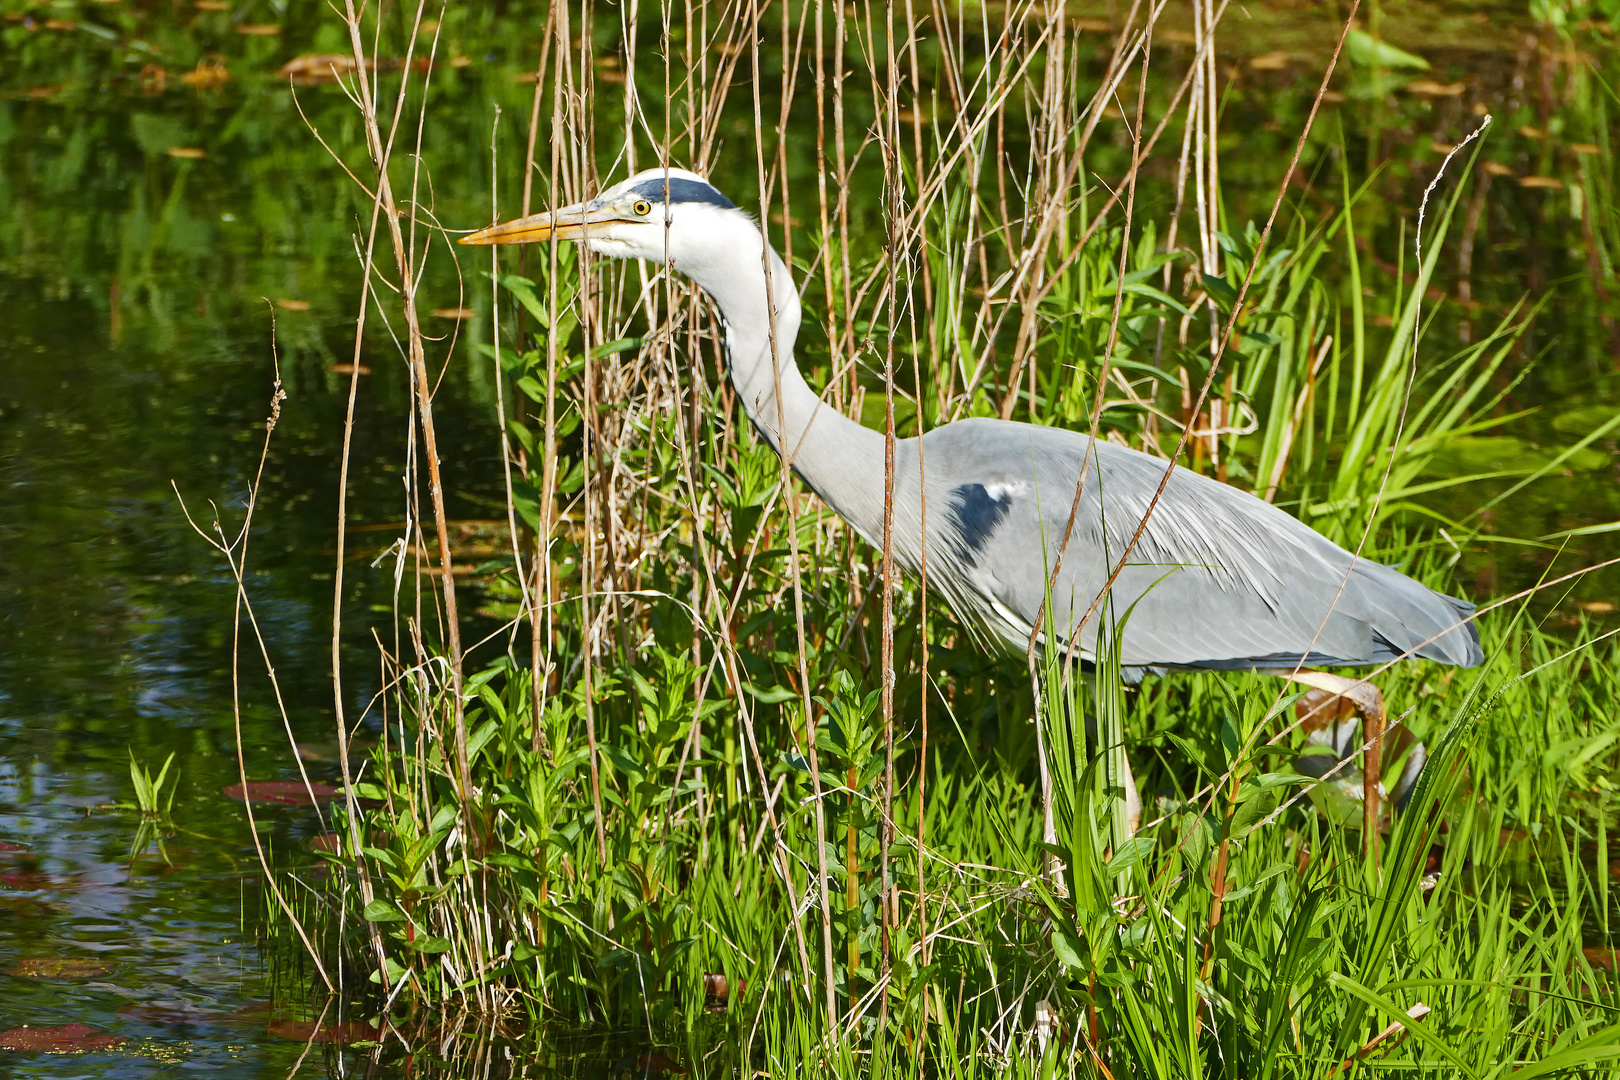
(840, 460)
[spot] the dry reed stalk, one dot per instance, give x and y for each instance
(795, 566)
(405, 262)
(236, 552)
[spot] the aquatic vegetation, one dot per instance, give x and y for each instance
(717, 745)
(657, 785)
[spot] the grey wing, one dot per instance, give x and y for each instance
(1219, 578)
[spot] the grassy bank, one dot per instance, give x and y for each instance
(655, 783)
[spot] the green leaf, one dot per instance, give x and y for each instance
(771, 695)
(1419, 1030)
(1254, 810)
(1068, 949)
(381, 910)
(523, 289)
(1131, 853)
(396, 972)
(616, 346)
(1368, 51)
(1596, 1047)
(1225, 296)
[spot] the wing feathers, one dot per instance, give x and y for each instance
(1218, 578)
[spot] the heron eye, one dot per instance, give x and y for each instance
(642, 207)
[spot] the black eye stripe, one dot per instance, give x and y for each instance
(682, 190)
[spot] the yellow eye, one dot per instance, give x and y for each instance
(642, 207)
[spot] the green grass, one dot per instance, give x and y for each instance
(618, 795)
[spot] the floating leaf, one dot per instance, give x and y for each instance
(282, 792)
(654, 1064)
(58, 967)
(61, 1039)
(168, 1013)
(25, 880)
(345, 1033)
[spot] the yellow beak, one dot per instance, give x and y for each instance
(570, 223)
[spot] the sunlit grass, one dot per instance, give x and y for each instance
(611, 808)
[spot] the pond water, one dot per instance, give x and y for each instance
(167, 239)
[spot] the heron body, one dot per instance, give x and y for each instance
(1219, 578)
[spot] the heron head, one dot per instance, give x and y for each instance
(665, 215)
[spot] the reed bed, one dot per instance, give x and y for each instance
(703, 768)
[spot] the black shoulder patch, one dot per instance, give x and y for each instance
(976, 513)
(682, 190)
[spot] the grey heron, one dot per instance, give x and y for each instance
(1219, 580)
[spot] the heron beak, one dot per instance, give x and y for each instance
(570, 223)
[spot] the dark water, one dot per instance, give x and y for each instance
(139, 334)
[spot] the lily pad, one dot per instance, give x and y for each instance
(61, 1039)
(25, 880)
(282, 793)
(58, 967)
(168, 1013)
(11, 847)
(345, 1033)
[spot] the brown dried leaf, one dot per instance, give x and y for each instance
(209, 74)
(1547, 183)
(189, 153)
(286, 304)
(1271, 61)
(61, 1039)
(25, 880)
(461, 313)
(1599, 956)
(309, 1031)
(282, 792)
(259, 30)
(1430, 88)
(314, 69)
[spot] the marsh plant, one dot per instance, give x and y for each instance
(703, 767)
